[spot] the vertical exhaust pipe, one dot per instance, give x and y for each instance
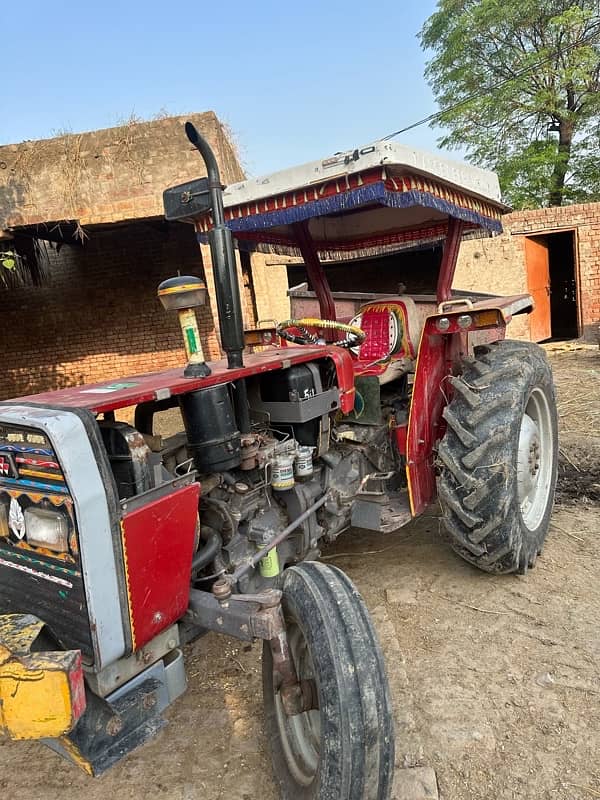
(223, 258)
(229, 306)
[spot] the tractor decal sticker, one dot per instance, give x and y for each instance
(36, 573)
(34, 462)
(49, 476)
(6, 469)
(36, 485)
(128, 585)
(16, 520)
(34, 468)
(37, 562)
(37, 497)
(191, 340)
(21, 448)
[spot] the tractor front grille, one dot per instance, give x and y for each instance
(33, 579)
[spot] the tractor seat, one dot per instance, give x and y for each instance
(393, 328)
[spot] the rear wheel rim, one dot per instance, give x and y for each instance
(534, 460)
(300, 734)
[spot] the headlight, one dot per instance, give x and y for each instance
(47, 528)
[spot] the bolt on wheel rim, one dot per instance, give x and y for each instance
(534, 459)
(301, 733)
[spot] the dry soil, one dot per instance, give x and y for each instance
(495, 679)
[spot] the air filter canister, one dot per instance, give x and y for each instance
(213, 436)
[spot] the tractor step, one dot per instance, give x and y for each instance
(383, 513)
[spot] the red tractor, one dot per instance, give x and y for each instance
(118, 544)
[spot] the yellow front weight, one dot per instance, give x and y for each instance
(42, 695)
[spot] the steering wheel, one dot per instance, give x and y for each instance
(354, 336)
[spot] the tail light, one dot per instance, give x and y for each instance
(489, 318)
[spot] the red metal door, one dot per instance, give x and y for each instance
(538, 283)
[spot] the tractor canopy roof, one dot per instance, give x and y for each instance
(375, 199)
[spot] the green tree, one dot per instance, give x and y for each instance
(518, 83)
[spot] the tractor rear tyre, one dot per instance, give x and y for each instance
(498, 458)
(342, 749)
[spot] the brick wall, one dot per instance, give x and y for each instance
(98, 317)
(498, 264)
(106, 176)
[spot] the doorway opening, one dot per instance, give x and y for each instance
(563, 285)
(552, 281)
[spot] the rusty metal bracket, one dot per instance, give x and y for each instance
(378, 495)
(449, 305)
(296, 696)
(245, 617)
(255, 616)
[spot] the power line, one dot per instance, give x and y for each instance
(477, 95)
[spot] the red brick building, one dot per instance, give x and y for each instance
(93, 201)
(552, 253)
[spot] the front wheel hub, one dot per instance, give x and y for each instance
(300, 728)
(534, 459)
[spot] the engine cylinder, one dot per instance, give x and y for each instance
(211, 427)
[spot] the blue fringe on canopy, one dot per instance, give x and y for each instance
(375, 192)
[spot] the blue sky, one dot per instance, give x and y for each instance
(294, 81)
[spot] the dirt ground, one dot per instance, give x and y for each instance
(496, 680)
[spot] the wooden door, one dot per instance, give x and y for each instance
(538, 285)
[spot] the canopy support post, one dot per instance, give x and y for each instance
(314, 270)
(449, 258)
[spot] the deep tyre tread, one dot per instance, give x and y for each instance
(477, 457)
(357, 738)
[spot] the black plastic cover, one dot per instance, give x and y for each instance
(129, 458)
(296, 388)
(187, 200)
(211, 427)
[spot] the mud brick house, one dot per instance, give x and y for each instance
(552, 253)
(87, 209)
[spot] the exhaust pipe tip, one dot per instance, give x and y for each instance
(192, 133)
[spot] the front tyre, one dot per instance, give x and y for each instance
(343, 749)
(498, 459)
